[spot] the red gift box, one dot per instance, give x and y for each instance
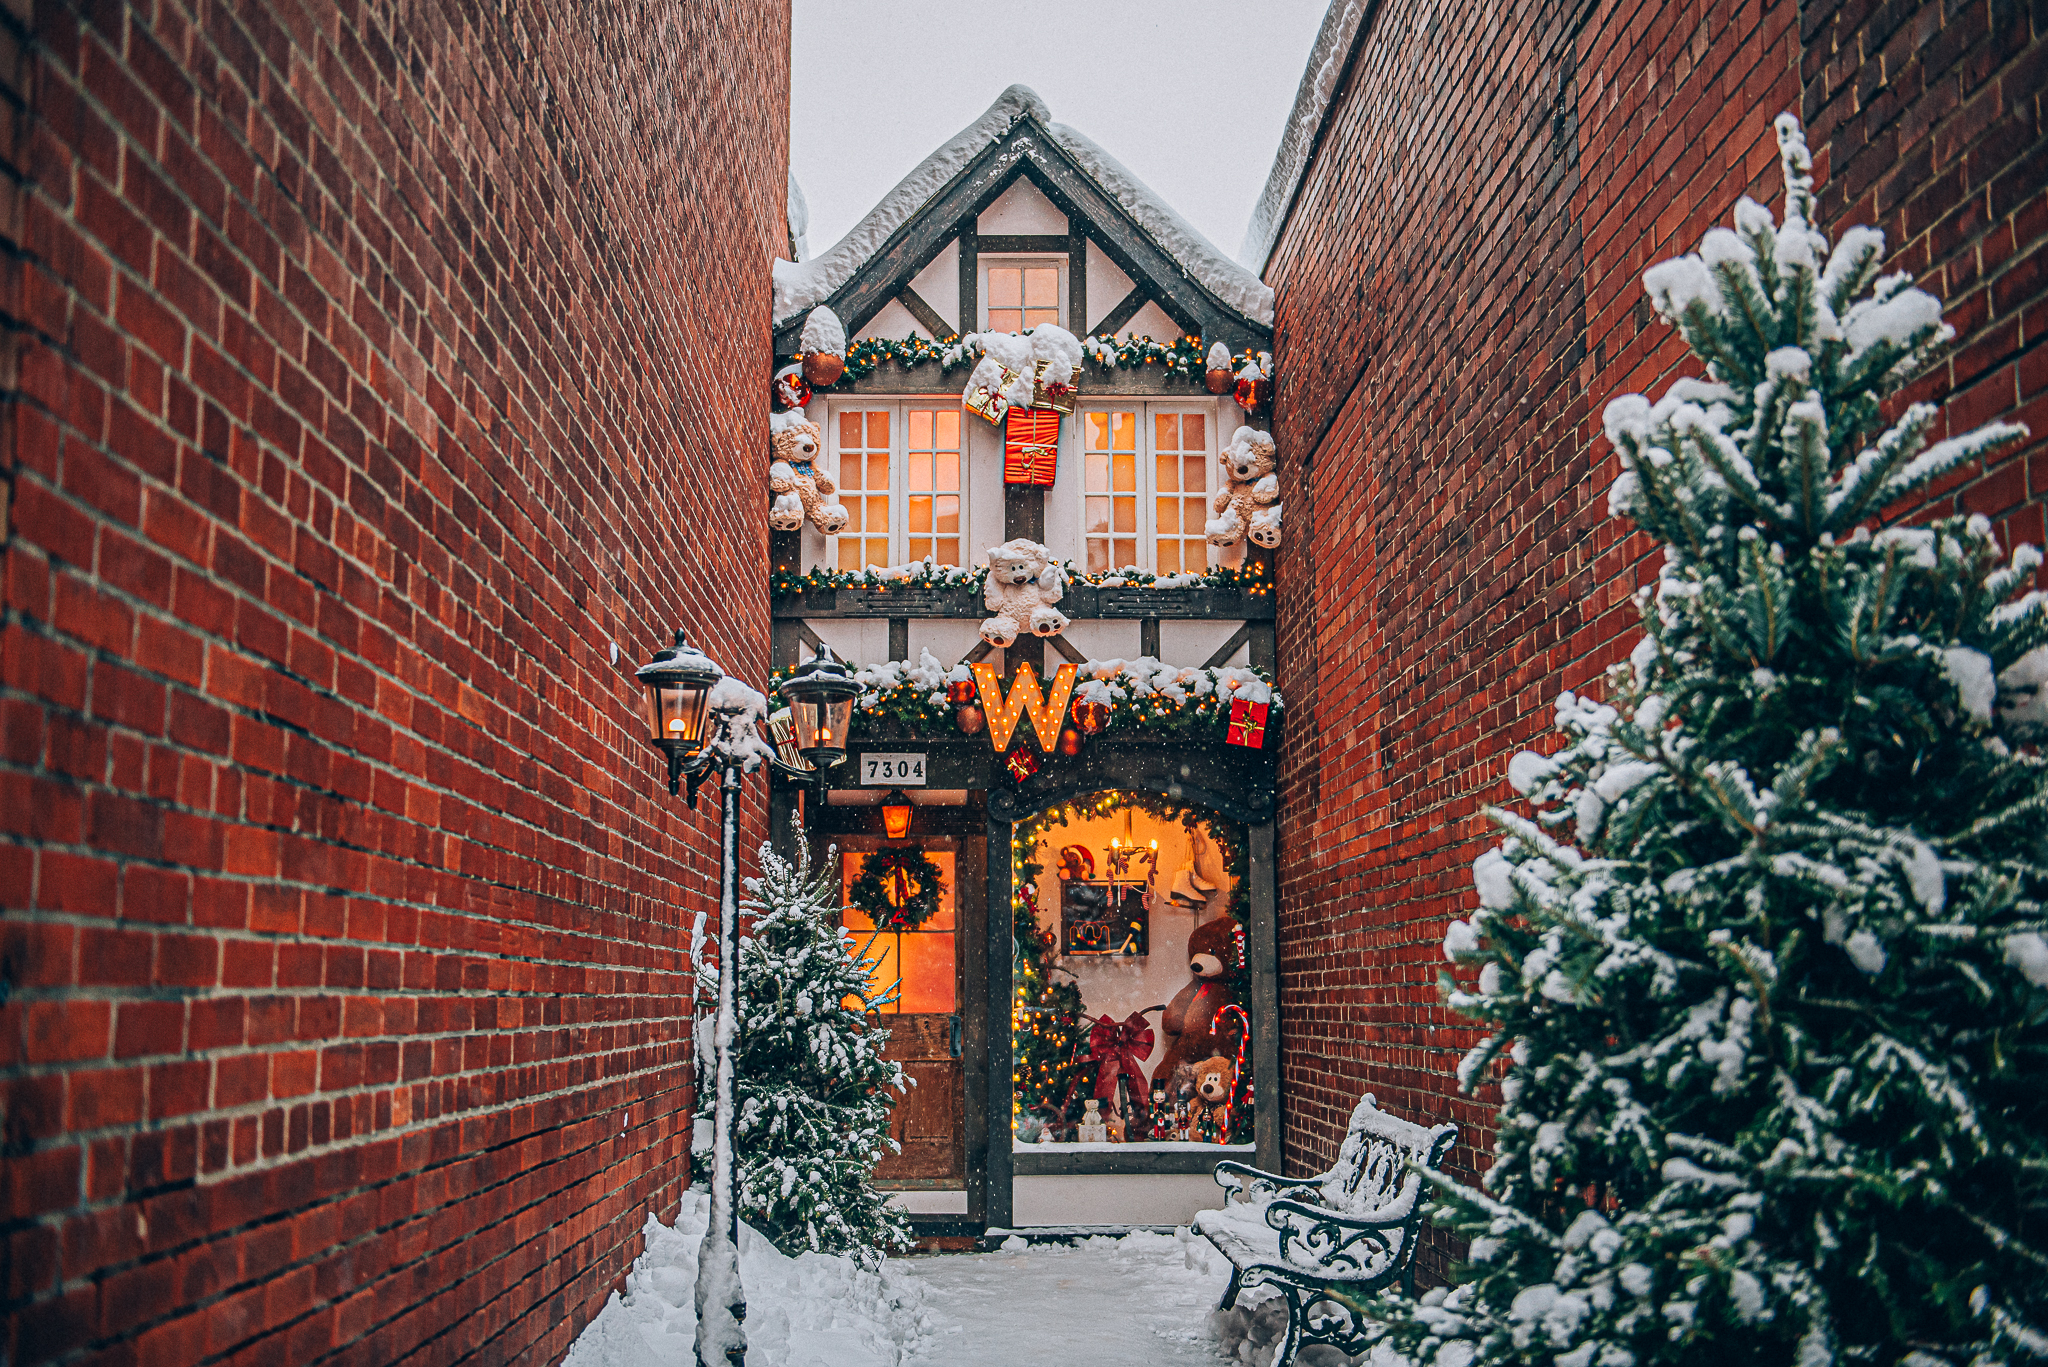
(1031, 446)
(1247, 723)
(1022, 764)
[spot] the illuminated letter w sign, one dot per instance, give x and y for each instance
(1025, 696)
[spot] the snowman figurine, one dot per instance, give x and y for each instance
(1093, 1129)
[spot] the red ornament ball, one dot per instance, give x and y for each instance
(822, 368)
(1070, 741)
(1253, 394)
(789, 389)
(1091, 715)
(969, 719)
(961, 692)
(1219, 380)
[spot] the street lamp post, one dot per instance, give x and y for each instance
(703, 719)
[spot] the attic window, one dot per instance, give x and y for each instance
(1020, 295)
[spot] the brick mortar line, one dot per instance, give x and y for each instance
(419, 1214)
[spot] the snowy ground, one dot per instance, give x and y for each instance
(1145, 1300)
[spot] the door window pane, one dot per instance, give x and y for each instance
(1021, 297)
(921, 961)
(864, 488)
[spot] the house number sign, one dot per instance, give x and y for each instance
(882, 769)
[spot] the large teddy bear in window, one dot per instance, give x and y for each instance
(1189, 1021)
(1024, 582)
(1249, 501)
(801, 488)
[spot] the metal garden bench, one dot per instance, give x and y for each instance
(1329, 1242)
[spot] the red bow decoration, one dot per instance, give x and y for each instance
(1120, 1048)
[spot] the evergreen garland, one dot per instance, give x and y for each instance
(1775, 1016)
(898, 889)
(812, 1090)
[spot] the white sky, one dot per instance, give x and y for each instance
(1189, 94)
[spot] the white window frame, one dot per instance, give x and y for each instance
(1148, 473)
(899, 465)
(1040, 259)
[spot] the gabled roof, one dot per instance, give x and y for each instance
(1017, 137)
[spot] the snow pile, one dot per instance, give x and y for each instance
(810, 1311)
(1146, 677)
(929, 676)
(824, 332)
(1311, 99)
(800, 285)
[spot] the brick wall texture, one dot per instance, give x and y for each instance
(1458, 297)
(371, 369)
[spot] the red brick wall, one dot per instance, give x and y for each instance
(1458, 297)
(371, 369)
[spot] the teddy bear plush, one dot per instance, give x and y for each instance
(1189, 1021)
(1249, 501)
(1215, 1081)
(800, 487)
(1024, 582)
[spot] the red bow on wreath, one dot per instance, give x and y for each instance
(1120, 1048)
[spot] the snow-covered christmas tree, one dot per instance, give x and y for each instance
(1769, 966)
(812, 1090)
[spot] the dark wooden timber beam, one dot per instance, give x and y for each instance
(1121, 314)
(994, 243)
(927, 317)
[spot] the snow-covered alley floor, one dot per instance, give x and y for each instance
(1141, 1301)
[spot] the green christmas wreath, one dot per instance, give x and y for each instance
(915, 891)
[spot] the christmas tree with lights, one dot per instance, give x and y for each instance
(1047, 1024)
(1768, 965)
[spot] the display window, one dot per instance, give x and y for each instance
(1130, 1022)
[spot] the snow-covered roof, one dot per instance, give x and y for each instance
(801, 285)
(1318, 83)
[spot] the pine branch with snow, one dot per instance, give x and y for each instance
(1765, 978)
(813, 1091)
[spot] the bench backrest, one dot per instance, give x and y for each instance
(1372, 1171)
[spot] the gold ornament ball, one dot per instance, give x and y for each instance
(1219, 380)
(1070, 741)
(969, 719)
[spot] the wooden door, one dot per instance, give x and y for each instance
(925, 1030)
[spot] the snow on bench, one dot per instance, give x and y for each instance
(1328, 1243)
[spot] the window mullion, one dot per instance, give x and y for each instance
(899, 482)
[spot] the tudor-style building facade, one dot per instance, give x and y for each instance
(1022, 224)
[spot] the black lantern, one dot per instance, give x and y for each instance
(821, 693)
(678, 682)
(896, 813)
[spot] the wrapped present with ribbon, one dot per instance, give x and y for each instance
(1247, 723)
(1022, 764)
(985, 398)
(1031, 446)
(1057, 396)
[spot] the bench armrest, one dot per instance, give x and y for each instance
(1249, 1182)
(1358, 1245)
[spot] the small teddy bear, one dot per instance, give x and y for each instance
(801, 489)
(1024, 582)
(1249, 501)
(1215, 1081)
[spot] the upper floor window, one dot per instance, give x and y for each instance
(1145, 487)
(1019, 294)
(900, 481)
